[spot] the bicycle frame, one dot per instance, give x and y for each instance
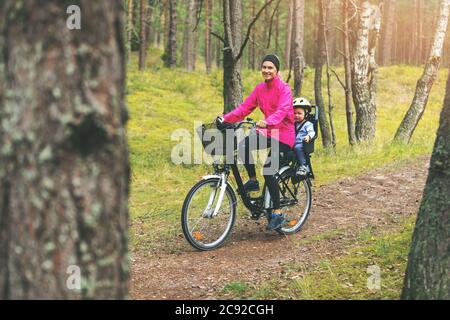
(255, 205)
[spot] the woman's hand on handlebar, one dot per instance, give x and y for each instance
(261, 124)
(219, 119)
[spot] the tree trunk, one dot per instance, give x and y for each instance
(232, 84)
(348, 75)
(319, 57)
(298, 37)
(170, 56)
(166, 22)
(190, 36)
(289, 27)
(208, 29)
(428, 269)
(143, 36)
(252, 47)
(327, 59)
(364, 72)
(218, 53)
(130, 26)
(149, 33)
(277, 31)
(64, 171)
(332, 11)
(425, 83)
(387, 33)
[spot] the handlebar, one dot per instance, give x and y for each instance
(247, 121)
(235, 126)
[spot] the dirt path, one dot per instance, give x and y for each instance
(379, 199)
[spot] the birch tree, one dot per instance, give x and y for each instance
(364, 70)
(348, 74)
(426, 81)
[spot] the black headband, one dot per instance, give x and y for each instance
(274, 59)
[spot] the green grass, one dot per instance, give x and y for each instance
(162, 100)
(235, 288)
(346, 276)
(333, 234)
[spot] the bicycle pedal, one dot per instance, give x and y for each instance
(255, 216)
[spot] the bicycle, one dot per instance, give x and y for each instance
(210, 207)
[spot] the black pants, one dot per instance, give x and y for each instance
(257, 141)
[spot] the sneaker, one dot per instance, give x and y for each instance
(251, 185)
(276, 221)
(302, 171)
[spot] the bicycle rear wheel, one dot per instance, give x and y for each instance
(200, 228)
(296, 201)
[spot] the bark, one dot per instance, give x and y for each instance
(364, 72)
(298, 39)
(388, 32)
(143, 35)
(166, 22)
(332, 11)
(149, 32)
(130, 26)
(428, 269)
(277, 31)
(64, 171)
(170, 55)
(190, 36)
(327, 59)
(252, 47)
(218, 53)
(348, 75)
(425, 83)
(319, 58)
(289, 27)
(208, 29)
(232, 90)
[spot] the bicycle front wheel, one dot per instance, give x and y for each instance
(201, 228)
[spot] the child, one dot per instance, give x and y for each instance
(304, 132)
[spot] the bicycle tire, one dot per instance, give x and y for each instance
(195, 240)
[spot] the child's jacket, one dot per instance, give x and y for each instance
(302, 130)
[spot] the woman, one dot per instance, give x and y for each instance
(274, 98)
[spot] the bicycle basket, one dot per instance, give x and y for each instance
(215, 141)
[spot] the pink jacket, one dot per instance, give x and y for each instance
(274, 98)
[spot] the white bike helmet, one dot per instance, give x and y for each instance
(302, 103)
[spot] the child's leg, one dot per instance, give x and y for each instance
(300, 152)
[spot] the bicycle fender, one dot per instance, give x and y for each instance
(210, 176)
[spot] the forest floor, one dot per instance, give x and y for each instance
(380, 199)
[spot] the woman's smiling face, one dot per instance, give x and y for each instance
(269, 71)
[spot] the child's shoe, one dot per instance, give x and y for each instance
(302, 171)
